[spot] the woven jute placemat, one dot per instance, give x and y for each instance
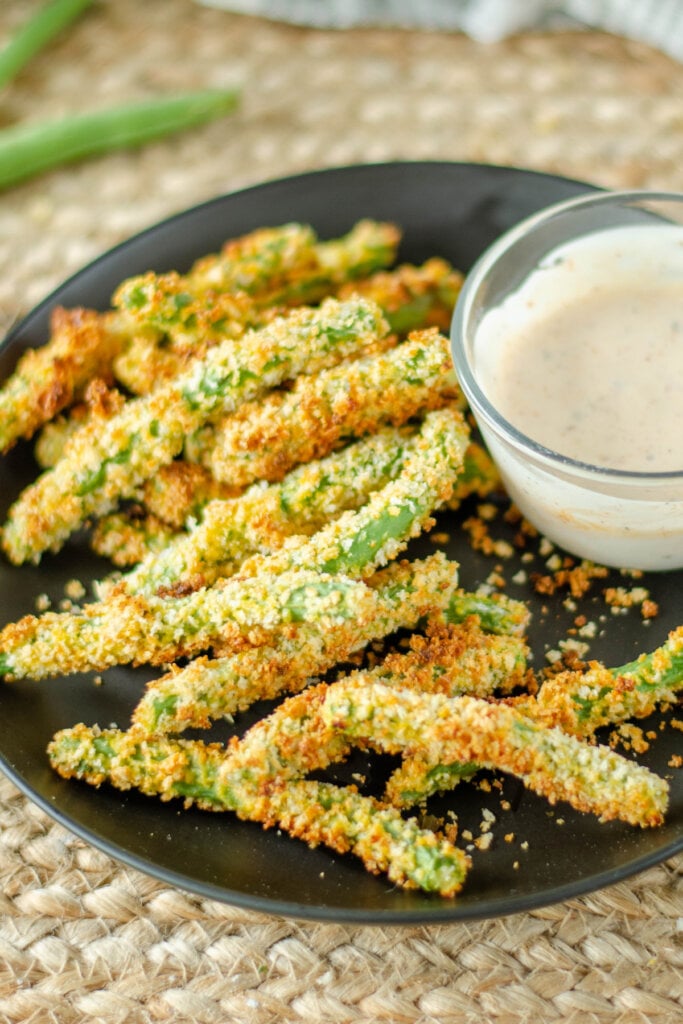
(83, 938)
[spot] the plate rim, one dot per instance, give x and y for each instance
(442, 911)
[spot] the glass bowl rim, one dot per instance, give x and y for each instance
(476, 276)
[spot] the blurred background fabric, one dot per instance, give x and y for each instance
(657, 22)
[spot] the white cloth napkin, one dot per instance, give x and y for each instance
(657, 22)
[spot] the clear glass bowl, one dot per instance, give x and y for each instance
(615, 517)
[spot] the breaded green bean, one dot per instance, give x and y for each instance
(357, 543)
(452, 660)
(253, 277)
(48, 379)
(204, 690)
(486, 666)
(456, 659)
(216, 296)
(479, 476)
(107, 461)
(299, 737)
(259, 520)
(579, 703)
(140, 630)
(126, 538)
(412, 297)
(270, 267)
(51, 441)
(99, 402)
(180, 491)
(125, 628)
(497, 613)
(466, 729)
(263, 440)
(387, 843)
(252, 263)
(368, 246)
(185, 494)
(316, 812)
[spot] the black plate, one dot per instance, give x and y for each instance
(448, 209)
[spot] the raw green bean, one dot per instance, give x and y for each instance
(30, 149)
(36, 33)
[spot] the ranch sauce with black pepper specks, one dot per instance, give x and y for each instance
(586, 357)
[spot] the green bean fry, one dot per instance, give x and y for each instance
(104, 462)
(262, 440)
(253, 445)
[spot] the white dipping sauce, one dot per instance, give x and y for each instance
(586, 357)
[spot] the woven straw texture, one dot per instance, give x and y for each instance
(81, 937)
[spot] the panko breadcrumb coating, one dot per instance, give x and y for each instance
(466, 729)
(178, 317)
(206, 689)
(46, 380)
(263, 440)
(348, 438)
(106, 461)
(310, 497)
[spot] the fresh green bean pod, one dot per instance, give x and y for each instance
(107, 460)
(47, 22)
(32, 148)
